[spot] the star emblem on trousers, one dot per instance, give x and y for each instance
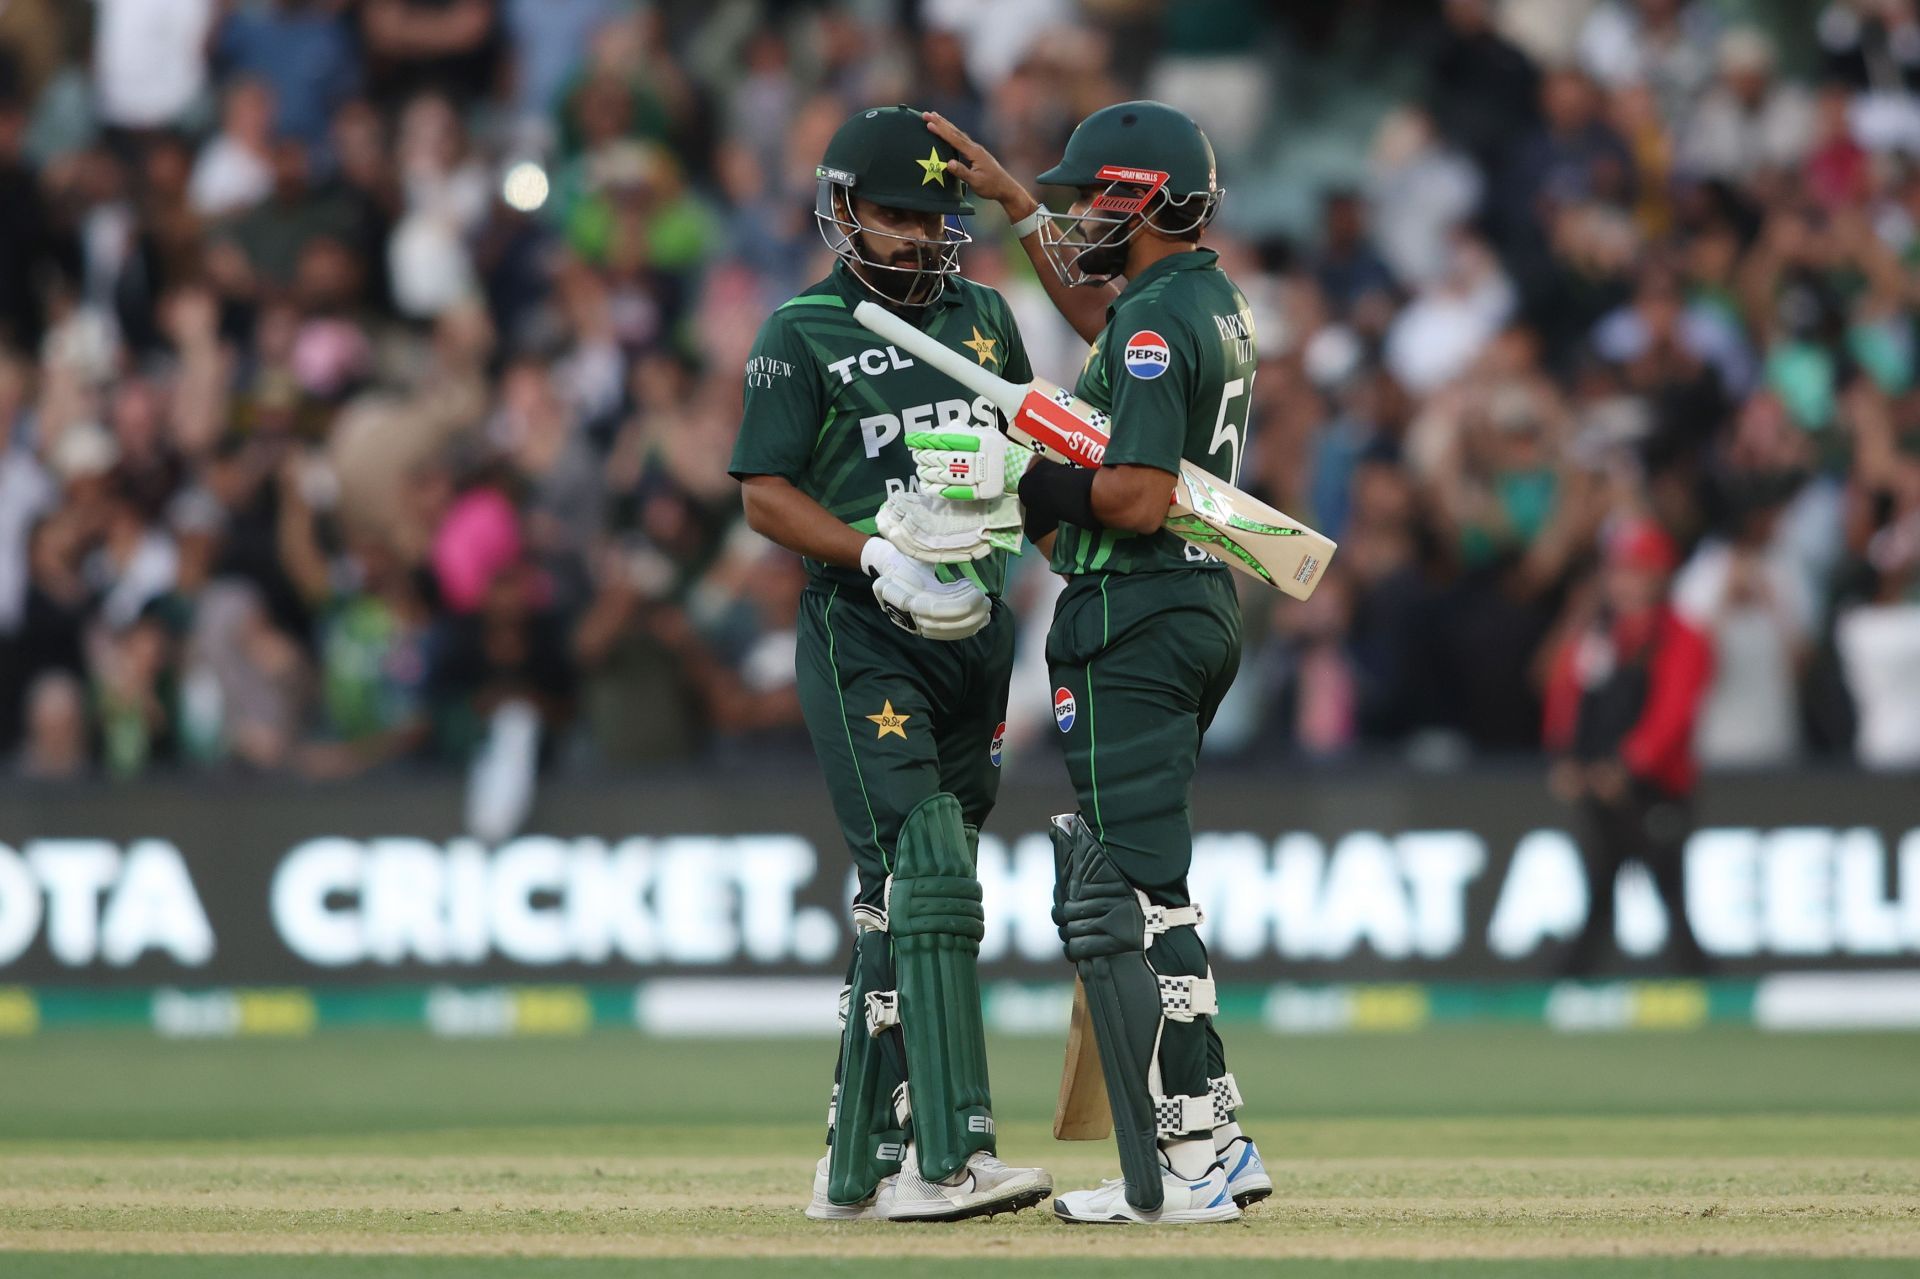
(890, 722)
(982, 346)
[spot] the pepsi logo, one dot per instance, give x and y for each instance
(999, 743)
(1063, 709)
(1146, 355)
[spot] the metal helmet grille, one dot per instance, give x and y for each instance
(937, 260)
(1088, 248)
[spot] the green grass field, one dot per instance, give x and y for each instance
(1450, 1152)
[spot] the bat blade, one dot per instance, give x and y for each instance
(1083, 1113)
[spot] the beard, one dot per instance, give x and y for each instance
(905, 278)
(1103, 261)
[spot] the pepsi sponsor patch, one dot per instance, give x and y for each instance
(1063, 709)
(1146, 355)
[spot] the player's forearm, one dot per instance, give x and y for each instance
(1132, 499)
(782, 513)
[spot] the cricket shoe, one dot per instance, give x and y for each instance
(1247, 1179)
(984, 1187)
(825, 1209)
(1183, 1201)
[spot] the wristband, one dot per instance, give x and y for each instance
(1028, 225)
(1053, 494)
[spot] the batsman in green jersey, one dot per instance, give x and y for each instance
(903, 662)
(1145, 638)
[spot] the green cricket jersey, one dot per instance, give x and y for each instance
(828, 403)
(1174, 370)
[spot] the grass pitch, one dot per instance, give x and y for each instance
(1451, 1152)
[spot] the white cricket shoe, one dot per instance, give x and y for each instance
(984, 1187)
(825, 1209)
(1204, 1199)
(1247, 1179)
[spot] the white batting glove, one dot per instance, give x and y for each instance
(967, 463)
(935, 530)
(918, 602)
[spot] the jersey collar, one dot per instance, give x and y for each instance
(849, 288)
(1185, 260)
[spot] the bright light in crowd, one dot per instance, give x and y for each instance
(525, 187)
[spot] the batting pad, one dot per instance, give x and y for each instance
(1105, 935)
(866, 1139)
(936, 921)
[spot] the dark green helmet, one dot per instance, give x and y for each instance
(1150, 137)
(1140, 164)
(888, 155)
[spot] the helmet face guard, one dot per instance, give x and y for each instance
(1091, 247)
(917, 285)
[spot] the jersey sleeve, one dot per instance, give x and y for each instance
(1154, 366)
(783, 406)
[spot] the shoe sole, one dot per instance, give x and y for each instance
(1213, 1216)
(1248, 1198)
(1016, 1202)
(842, 1214)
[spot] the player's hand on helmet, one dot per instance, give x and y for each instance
(936, 530)
(975, 166)
(917, 601)
(967, 463)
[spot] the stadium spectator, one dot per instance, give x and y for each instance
(150, 62)
(1749, 123)
(304, 49)
(1623, 698)
(235, 168)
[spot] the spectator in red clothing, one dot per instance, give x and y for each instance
(1623, 693)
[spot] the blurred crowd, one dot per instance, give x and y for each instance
(369, 368)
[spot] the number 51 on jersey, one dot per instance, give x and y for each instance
(1207, 511)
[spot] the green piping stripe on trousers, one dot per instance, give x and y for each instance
(1093, 742)
(847, 727)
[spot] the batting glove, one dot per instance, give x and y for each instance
(967, 463)
(934, 530)
(918, 602)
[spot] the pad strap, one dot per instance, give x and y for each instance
(902, 1104)
(883, 1011)
(1164, 919)
(1184, 998)
(1173, 1116)
(1226, 1099)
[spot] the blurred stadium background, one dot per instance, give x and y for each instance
(381, 646)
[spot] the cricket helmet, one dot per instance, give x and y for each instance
(1136, 164)
(888, 156)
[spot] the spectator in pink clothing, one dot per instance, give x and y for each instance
(479, 538)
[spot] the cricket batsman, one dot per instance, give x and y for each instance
(902, 663)
(1146, 637)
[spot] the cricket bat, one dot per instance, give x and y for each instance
(1082, 1113)
(1207, 511)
